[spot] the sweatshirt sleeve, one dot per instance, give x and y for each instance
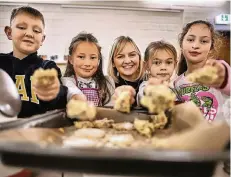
(70, 83)
(6, 64)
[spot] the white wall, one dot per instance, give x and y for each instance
(143, 26)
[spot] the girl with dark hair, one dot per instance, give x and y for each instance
(84, 74)
(199, 43)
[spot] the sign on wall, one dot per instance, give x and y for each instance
(222, 19)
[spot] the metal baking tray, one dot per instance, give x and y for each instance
(51, 119)
(136, 162)
(110, 161)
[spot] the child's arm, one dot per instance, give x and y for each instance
(111, 87)
(215, 73)
(222, 82)
(73, 90)
(225, 87)
(155, 81)
(140, 93)
(55, 95)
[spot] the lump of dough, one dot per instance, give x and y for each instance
(81, 110)
(120, 140)
(83, 124)
(103, 123)
(44, 77)
(158, 98)
(123, 126)
(122, 103)
(80, 142)
(92, 133)
(159, 120)
(205, 75)
(144, 127)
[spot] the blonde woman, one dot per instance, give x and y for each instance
(126, 65)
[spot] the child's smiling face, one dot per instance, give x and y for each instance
(85, 59)
(26, 33)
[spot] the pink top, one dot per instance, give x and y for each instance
(210, 100)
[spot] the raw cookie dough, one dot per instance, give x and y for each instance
(80, 142)
(44, 77)
(158, 98)
(83, 124)
(122, 103)
(159, 120)
(81, 110)
(120, 140)
(103, 123)
(205, 75)
(144, 127)
(92, 133)
(123, 126)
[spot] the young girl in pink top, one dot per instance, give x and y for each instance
(198, 41)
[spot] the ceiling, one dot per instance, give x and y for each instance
(137, 3)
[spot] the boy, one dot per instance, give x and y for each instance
(26, 31)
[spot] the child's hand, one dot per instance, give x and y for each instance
(80, 97)
(123, 88)
(220, 72)
(156, 81)
(47, 93)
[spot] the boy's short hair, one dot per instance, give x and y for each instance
(29, 10)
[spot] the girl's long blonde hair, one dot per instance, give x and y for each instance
(117, 47)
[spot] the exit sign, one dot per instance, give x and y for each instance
(222, 19)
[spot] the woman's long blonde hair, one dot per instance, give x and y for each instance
(117, 47)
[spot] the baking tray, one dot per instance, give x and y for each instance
(51, 119)
(142, 162)
(110, 161)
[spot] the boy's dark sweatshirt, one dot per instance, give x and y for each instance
(25, 68)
